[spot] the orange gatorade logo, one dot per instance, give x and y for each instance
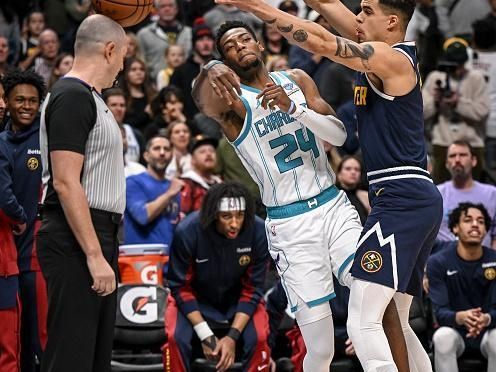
(371, 261)
(360, 96)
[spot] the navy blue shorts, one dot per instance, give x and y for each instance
(399, 234)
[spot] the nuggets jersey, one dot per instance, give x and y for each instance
(391, 129)
(285, 159)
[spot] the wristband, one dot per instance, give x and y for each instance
(212, 63)
(203, 330)
(234, 334)
(292, 107)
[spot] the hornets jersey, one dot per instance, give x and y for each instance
(391, 129)
(286, 160)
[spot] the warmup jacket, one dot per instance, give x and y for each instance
(20, 187)
(206, 267)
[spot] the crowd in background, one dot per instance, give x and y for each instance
(173, 154)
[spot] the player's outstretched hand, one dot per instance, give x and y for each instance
(274, 95)
(103, 276)
(225, 350)
(224, 82)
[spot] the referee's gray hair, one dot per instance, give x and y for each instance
(97, 29)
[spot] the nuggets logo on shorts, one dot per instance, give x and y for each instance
(490, 273)
(244, 260)
(32, 164)
(371, 261)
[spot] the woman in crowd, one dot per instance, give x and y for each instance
(179, 135)
(62, 66)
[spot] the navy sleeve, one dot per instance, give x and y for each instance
(70, 116)
(438, 292)
(8, 201)
(181, 274)
(253, 279)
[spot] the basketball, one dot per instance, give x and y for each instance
(125, 12)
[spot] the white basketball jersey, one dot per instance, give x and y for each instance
(284, 158)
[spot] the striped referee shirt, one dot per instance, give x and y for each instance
(75, 118)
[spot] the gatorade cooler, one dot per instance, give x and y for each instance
(143, 263)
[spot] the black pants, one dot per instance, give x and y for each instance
(80, 323)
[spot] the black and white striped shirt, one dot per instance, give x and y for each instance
(75, 118)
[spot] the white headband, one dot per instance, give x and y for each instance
(232, 204)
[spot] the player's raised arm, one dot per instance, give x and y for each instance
(338, 15)
(375, 57)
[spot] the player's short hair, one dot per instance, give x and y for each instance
(462, 209)
(405, 8)
(463, 143)
(16, 77)
(229, 25)
(229, 189)
(112, 92)
(97, 29)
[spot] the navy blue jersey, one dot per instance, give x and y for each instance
(391, 129)
(458, 285)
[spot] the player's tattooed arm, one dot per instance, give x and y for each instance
(349, 49)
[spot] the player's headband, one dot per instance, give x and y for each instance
(232, 204)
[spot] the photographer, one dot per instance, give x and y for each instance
(456, 101)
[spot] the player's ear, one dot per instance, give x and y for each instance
(474, 161)
(260, 46)
(455, 230)
(393, 22)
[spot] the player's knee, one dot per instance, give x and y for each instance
(444, 340)
(322, 353)
(491, 340)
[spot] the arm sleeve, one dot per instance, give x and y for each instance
(70, 117)
(477, 106)
(181, 273)
(136, 201)
(253, 279)
(438, 293)
(8, 201)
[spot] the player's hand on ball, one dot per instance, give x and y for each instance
(224, 82)
(274, 95)
(103, 276)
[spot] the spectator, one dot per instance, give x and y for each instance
(456, 16)
(460, 162)
(483, 59)
(456, 100)
(130, 167)
(216, 275)
(139, 93)
(167, 107)
(157, 36)
(183, 76)
(35, 24)
(289, 6)
(346, 112)
(278, 63)
(179, 135)
(200, 178)
(462, 289)
(10, 311)
(349, 174)
(336, 86)
(9, 28)
(174, 57)
(115, 99)
(133, 46)
(24, 92)
(152, 209)
(492, 14)
(221, 13)
(49, 50)
(4, 55)
(274, 44)
(62, 66)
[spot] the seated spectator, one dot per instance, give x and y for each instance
(35, 24)
(4, 55)
(130, 167)
(200, 178)
(152, 201)
(133, 46)
(349, 174)
(167, 107)
(174, 57)
(462, 289)
(456, 101)
(460, 162)
(115, 99)
(273, 42)
(221, 13)
(62, 66)
(179, 135)
(278, 63)
(49, 50)
(218, 263)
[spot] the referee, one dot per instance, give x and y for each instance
(83, 201)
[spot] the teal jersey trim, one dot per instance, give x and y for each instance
(345, 264)
(246, 128)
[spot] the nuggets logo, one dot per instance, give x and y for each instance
(244, 260)
(371, 261)
(32, 164)
(360, 96)
(490, 273)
